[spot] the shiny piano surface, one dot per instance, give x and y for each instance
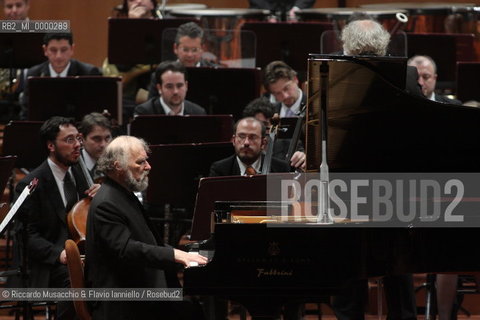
(373, 126)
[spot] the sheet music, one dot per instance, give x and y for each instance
(25, 193)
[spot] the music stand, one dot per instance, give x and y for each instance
(445, 50)
(468, 81)
(289, 42)
(234, 188)
(21, 138)
(182, 129)
(227, 91)
(21, 50)
(127, 38)
(6, 166)
(176, 169)
(74, 97)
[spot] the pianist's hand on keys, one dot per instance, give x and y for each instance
(189, 259)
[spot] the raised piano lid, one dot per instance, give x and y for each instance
(375, 126)
(234, 188)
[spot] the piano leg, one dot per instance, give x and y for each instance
(430, 296)
(262, 308)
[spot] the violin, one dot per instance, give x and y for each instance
(77, 217)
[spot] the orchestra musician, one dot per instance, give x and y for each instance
(16, 9)
(367, 37)
(249, 140)
(123, 248)
(281, 81)
(58, 48)
(427, 72)
(96, 131)
(136, 9)
(263, 110)
(60, 185)
(446, 284)
(172, 86)
(188, 48)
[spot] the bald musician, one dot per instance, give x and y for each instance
(123, 247)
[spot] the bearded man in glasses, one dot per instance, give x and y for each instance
(44, 214)
(249, 141)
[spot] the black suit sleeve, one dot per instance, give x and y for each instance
(38, 246)
(152, 87)
(412, 86)
(95, 72)
(214, 170)
(144, 108)
(114, 234)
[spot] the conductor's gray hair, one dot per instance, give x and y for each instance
(365, 37)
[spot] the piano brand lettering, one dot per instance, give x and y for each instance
(378, 200)
(273, 273)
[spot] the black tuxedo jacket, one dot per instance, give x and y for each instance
(229, 167)
(278, 105)
(43, 213)
(77, 68)
(124, 250)
(153, 106)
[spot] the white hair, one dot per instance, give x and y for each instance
(365, 37)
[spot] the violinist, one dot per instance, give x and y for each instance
(96, 131)
(263, 110)
(60, 185)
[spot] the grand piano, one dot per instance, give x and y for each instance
(372, 126)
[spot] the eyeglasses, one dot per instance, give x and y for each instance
(242, 137)
(73, 139)
(187, 50)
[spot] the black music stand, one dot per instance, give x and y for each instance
(176, 169)
(21, 50)
(289, 42)
(223, 90)
(18, 51)
(6, 166)
(127, 38)
(162, 129)
(239, 188)
(21, 138)
(468, 81)
(74, 97)
(445, 50)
